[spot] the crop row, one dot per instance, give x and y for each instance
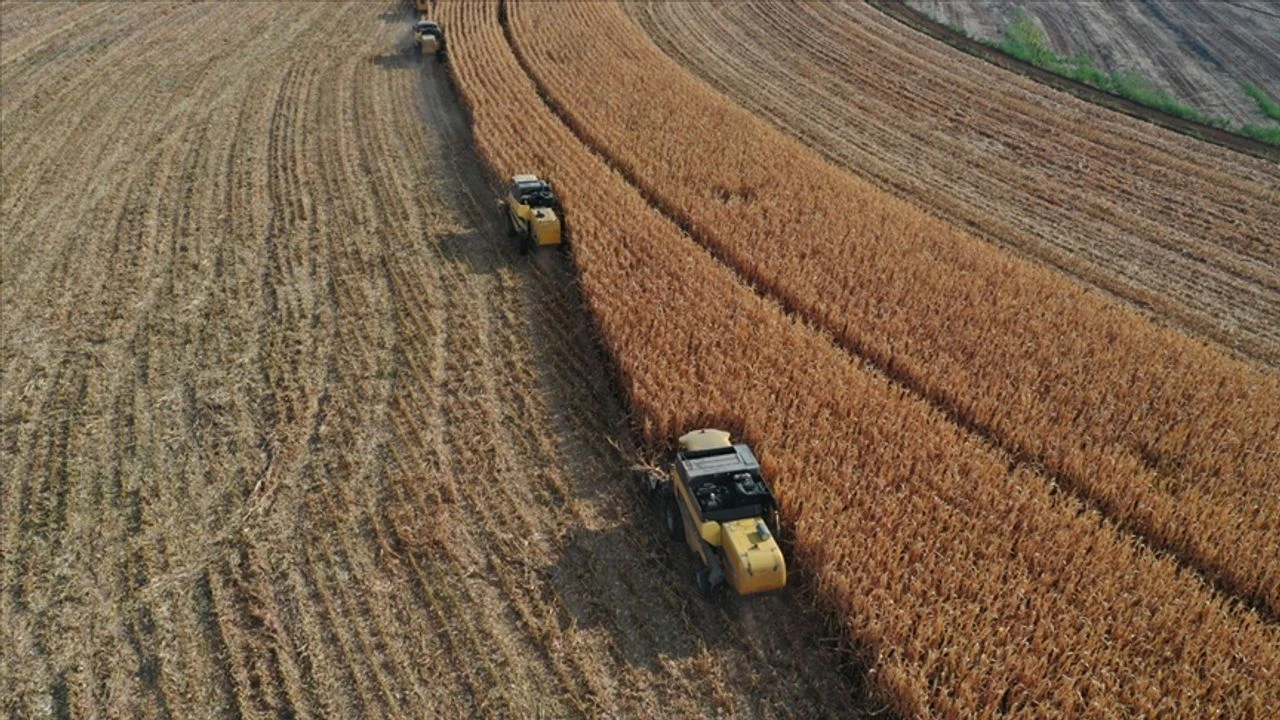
(967, 584)
(1176, 441)
(1176, 226)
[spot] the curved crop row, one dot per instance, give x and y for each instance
(968, 587)
(1176, 441)
(1175, 226)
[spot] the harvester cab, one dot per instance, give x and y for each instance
(429, 37)
(534, 215)
(719, 503)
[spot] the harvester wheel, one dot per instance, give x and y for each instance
(671, 513)
(703, 579)
(653, 483)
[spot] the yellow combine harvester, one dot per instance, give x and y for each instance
(429, 38)
(533, 211)
(719, 503)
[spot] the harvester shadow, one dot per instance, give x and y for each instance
(630, 582)
(466, 247)
(485, 252)
(481, 240)
(635, 584)
(405, 58)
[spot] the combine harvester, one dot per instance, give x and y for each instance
(429, 38)
(534, 215)
(718, 502)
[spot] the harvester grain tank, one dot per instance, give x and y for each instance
(429, 37)
(719, 503)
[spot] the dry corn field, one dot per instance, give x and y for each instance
(1186, 456)
(291, 430)
(1182, 228)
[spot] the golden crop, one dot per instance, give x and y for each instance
(1174, 440)
(967, 581)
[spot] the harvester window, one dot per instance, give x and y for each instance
(748, 486)
(730, 492)
(710, 497)
(535, 195)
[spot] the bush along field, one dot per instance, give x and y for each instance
(1024, 40)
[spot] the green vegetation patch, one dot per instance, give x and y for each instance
(1269, 107)
(1269, 135)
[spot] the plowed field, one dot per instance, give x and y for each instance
(1200, 52)
(1180, 228)
(290, 430)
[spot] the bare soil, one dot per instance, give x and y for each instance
(290, 429)
(1176, 227)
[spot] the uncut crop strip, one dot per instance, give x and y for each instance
(966, 585)
(1177, 442)
(1177, 227)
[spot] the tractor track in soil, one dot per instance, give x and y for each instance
(291, 430)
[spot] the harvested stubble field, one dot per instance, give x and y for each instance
(295, 433)
(289, 429)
